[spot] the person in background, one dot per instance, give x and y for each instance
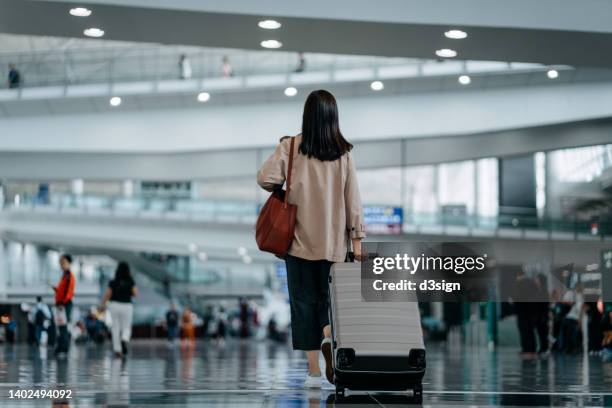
(221, 326)
(301, 66)
(606, 328)
(228, 71)
(31, 323)
(272, 331)
(172, 323)
(325, 189)
(559, 310)
(594, 318)
(525, 318)
(570, 327)
(541, 312)
(64, 292)
(188, 324)
(14, 77)
(42, 318)
(10, 329)
(91, 325)
(245, 327)
(119, 296)
(185, 71)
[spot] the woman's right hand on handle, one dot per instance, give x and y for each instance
(359, 256)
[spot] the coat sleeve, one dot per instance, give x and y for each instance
(272, 175)
(352, 199)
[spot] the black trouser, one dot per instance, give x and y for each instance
(309, 299)
(542, 329)
(570, 335)
(526, 331)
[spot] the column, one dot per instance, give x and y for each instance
(77, 187)
(3, 270)
(127, 188)
(2, 195)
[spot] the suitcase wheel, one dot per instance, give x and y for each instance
(417, 395)
(340, 392)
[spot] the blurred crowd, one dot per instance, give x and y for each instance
(179, 325)
(560, 321)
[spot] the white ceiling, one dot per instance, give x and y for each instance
(570, 15)
(545, 31)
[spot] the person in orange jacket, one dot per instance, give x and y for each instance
(189, 334)
(64, 292)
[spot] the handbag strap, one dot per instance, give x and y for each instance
(289, 171)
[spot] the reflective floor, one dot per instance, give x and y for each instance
(263, 374)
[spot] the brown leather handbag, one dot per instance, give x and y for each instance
(276, 221)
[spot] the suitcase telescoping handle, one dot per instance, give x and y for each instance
(350, 256)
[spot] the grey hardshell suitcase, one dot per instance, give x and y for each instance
(376, 346)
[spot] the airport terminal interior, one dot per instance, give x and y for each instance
(132, 131)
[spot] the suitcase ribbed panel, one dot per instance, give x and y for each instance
(371, 328)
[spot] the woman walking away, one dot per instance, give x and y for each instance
(324, 188)
(119, 296)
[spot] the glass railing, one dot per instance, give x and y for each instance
(138, 63)
(125, 64)
(384, 220)
(144, 207)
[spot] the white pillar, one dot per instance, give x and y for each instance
(194, 193)
(3, 270)
(127, 188)
(77, 186)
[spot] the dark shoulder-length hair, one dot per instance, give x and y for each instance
(122, 274)
(321, 136)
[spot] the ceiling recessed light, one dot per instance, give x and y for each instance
(80, 12)
(552, 74)
(446, 53)
(291, 91)
(203, 97)
(271, 44)
(455, 34)
(377, 86)
(115, 101)
(93, 32)
(465, 79)
(242, 251)
(247, 259)
(203, 256)
(269, 24)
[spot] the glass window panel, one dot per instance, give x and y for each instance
(380, 186)
(456, 184)
(420, 199)
(579, 164)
